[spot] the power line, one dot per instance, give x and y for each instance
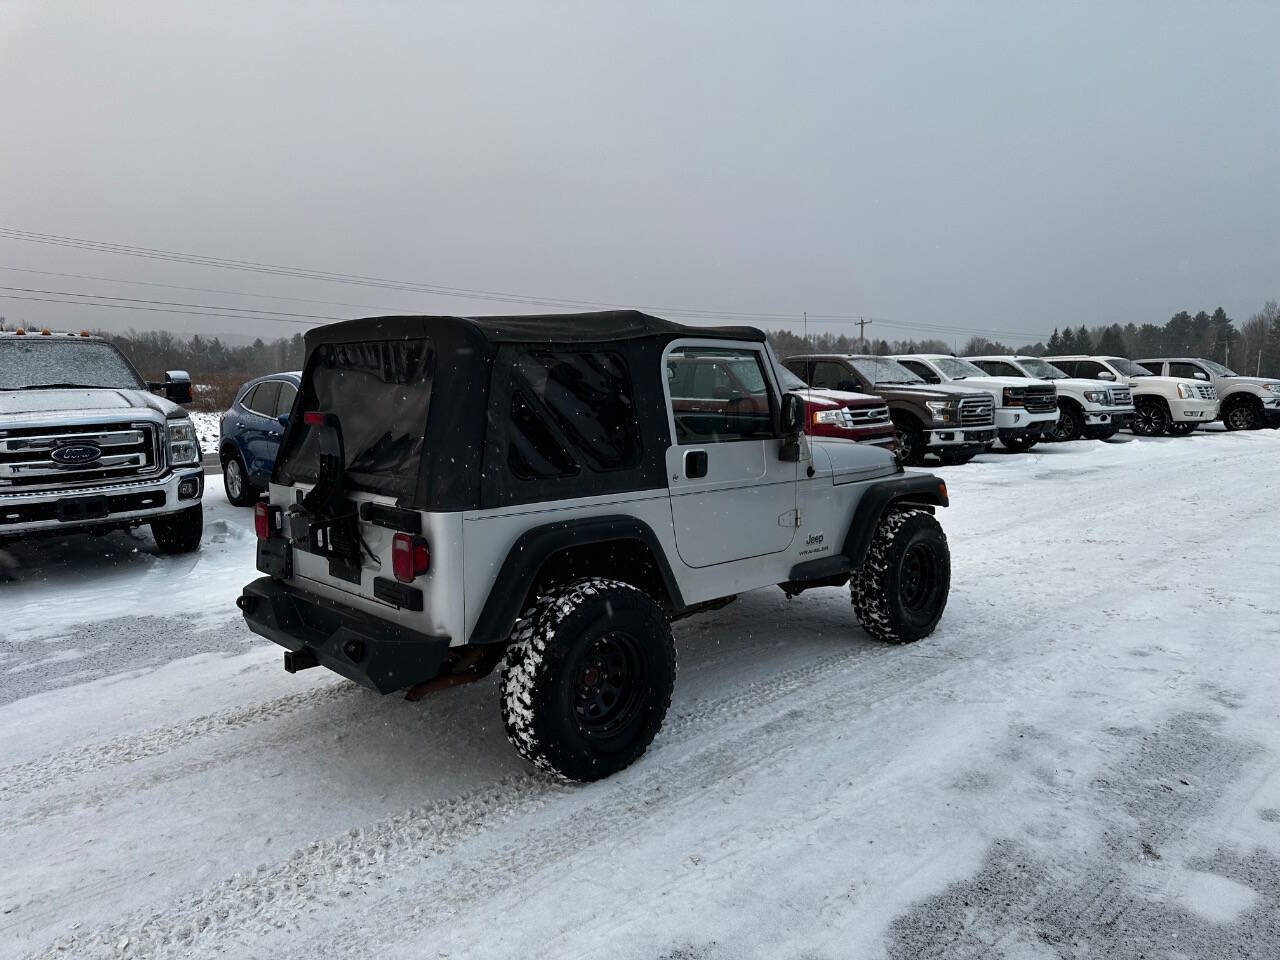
(126, 306)
(269, 269)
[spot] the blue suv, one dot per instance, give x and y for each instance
(251, 432)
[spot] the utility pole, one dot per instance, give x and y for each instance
(862, 332)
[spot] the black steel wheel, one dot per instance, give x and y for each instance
(900, 590)
(587, 679)
(1243, 416)
(1150, 418)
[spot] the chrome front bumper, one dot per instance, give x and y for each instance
(106, 505)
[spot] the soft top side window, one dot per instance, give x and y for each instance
(568, 409)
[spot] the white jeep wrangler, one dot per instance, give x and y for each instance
(452, 494)
(1025, 409)
(1161, 405)
(1093, 409)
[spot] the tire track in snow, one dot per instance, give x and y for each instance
(41, 772)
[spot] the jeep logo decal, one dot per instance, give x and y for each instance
(76, 454)
(814, 540)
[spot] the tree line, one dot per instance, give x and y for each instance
(1253, 348)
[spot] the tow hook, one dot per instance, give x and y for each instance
(246, 603)
(295, 660)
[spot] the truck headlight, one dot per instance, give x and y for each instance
(829, 417)
(1096, 396)
(1271, 387)
(1186, 391)
(941, 409)
(184, 447)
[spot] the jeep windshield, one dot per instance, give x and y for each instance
(380, 392)
(883, 370)
(42, 363)
(1042, 369)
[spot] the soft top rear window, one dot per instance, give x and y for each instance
(380, 391)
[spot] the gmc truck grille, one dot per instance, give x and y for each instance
(1041, 400)
(60, 456)
(868, 415)
(977, 413)
(1207, 392)
(1121, 396)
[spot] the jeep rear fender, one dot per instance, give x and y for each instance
(562, 550)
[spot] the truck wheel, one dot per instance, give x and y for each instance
(1019, 444)
(1150, 419)
(587, 679)
(179, 532)
(1070, 425)
(235, 481)
(1243, 416)
(901, 588)
(1183, 428)
(911, 444)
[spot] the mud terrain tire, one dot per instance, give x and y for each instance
(587, 679)
(901, 588)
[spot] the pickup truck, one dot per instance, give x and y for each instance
(86, 446)
(1248, 403)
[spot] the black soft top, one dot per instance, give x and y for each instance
(599, 327)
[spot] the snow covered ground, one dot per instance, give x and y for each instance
(1083, 761)
(207, 430)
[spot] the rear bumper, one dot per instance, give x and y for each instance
(375, 653)
(104, 507)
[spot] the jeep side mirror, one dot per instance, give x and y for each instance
(792, 414)
(176, 386)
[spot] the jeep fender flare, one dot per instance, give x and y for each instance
(921, 489)
(535, 547)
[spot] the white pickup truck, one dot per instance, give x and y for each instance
(1025, 409)
(85, 446)
(1089, 409)
(1172, 405)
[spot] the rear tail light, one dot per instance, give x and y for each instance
(266, 520)
(410, 557)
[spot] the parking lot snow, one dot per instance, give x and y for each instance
(1081, 761)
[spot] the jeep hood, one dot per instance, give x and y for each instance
(82, 402)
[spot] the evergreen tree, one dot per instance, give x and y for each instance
(1084, 342)
(1055, 342)
(1111, 343)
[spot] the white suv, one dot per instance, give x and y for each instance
(1172, 405)
(1025, 409)
(1092, 409)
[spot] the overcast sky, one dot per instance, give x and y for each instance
(994, 167)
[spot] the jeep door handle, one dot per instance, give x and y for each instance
(695, 464)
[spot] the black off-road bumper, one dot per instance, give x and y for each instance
(377, 654)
